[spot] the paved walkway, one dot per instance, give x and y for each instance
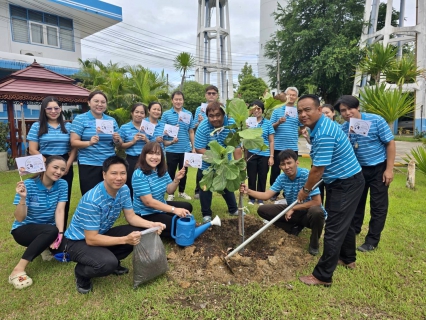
(402, 148)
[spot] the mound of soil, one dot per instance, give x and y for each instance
(272, 257)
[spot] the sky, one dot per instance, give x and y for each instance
(154, 32)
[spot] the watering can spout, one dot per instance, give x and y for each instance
(201, 229)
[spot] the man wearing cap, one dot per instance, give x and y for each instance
(375, 152)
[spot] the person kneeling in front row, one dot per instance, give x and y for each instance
(310, 213)
(92, 242)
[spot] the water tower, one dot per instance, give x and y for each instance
(214, 46)
(267, 28)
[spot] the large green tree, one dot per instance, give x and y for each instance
(250, 87)
(318, 45)
(194, 95)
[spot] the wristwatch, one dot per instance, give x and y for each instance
(306, 190)
(173, 209)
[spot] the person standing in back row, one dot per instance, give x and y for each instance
(286, 126)
(175, 152)
(376, 155)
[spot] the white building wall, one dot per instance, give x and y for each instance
(267, 28)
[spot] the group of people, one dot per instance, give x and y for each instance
(154, 166)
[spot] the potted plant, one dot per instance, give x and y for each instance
(4, 145)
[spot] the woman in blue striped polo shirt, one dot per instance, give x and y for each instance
(39, 216)
(133, 139)
(155, 110)
(51, 136)
(150, 182)
(93, 146)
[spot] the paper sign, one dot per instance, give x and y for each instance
(308, 146)
(185, 117)
(291, 112)
(359, 126)
(104, 126)
(31, 164)
(147, 127)
(193, 160)
(171, 131)
(203, 107)
(251, 122)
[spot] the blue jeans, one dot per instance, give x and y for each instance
(206, 199)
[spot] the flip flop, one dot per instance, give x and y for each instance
(20, 280)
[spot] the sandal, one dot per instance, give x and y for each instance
(20, 280)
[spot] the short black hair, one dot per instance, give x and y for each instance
(178, 93)
(311, 96)
(212, 87)
(350, 101)
(258, 103)
(287, 154)
(114, 160)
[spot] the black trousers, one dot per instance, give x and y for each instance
(90, 176)
(132, 160)
(379, 203)
(206, 199)
(94, 261)
(339, 236)
(167, 217)
(173, 160)
(36, 237)
(257, 171)
(68, 178)
(275, 169)
(313, 218)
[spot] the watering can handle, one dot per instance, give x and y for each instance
(150, 230)
(173, 227)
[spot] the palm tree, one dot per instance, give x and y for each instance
(404, 70)
(378, 59)
(182, 63)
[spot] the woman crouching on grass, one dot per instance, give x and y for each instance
(39, 216)
(150, 182)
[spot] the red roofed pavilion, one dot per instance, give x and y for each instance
(34, 83)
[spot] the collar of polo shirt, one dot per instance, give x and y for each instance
(42, 187)
(317, 125)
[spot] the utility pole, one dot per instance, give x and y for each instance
(278, 72)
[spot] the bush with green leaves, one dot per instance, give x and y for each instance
(225, 172)
(4, 133)
(419, 156)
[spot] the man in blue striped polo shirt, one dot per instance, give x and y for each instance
(216, 119)
(310, 213)
(92, 242)
(376, 155)
(334, 161)
(175, 152)
(286, 131)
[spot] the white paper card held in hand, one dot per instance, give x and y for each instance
(31, 164)
(291, 112)
(104, 126)
(185, 117)
(193, 160)
(251, 122)
(203, 107)
(147, 127)
(359, 126)
(171, 131)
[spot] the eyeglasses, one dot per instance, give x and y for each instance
(211, 93)
(52, 109)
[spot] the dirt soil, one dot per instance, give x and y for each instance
(272, 257)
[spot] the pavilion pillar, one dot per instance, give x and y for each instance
(12, 129)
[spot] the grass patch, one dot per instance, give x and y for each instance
(388, 283)
(406, 138)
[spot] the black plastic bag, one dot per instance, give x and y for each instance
(149, 258)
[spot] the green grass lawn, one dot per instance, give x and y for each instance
(389, 283)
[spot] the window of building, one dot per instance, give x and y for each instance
(35, 27)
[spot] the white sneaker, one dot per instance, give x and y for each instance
(184, 195)
(282, 201)
(251, 202)
(46, 255)
(170, 197)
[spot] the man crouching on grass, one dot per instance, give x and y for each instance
(92, 242)
(310, 213)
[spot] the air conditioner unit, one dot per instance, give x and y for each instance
(32, 53)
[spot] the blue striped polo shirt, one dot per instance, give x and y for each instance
(203, 137)
(98, 211)
(54, 142)
(198, 112)
(287, 133)
(144, 184)
(127, 132)
(41, 202)
(85, 126)
(331, 149)
(267, 129)
(292, 187)
(171, 117)
(371, 149)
